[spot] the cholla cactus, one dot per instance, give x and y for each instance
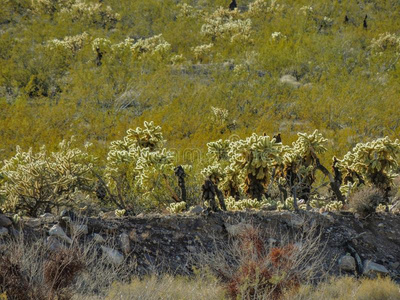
(91, 12)
(138, 165)
(226, 24)
(277, 36)
(176, 208)
(152, 46)
(187, 11)
(234, 205)
(374, 163)
(333, 206)
(34, 182)
(101, 44)
(70, 43)
(219, 115)
(300, 164)
(202, 52)
(385, 41)
(307, 10)
(255, 157)
(260, 7)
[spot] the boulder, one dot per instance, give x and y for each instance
(114, 256)
(33, 222)
(5, 221)
(125, 243)
(197, 210)
(372, 269)
(347, 263)
(3, 232)
(57, 231)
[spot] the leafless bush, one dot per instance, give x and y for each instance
(366, 200)
(61, 269)
(257, 264)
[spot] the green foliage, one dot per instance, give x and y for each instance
(34, 182)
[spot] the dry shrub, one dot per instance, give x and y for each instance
(366, 200)
(261, 272)
(347, 288)
(15, 284)
(61, 269)
(250, 268)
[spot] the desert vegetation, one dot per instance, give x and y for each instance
(180, 108)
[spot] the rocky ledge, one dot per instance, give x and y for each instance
(353, 246)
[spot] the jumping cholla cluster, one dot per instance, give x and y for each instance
(374, 163)
(202, 52)
(70, 43)
(187, 11)
(386, 41)
(95, 13)
(34, 182)
(277, 36)
(78, 10)
(138, 165)
(226, 24)
(260, 7)
(153, 46)
(298, 168)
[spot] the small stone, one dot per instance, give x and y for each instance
(381, 225)
(3, 232)
(347, 263)
(57, 231)
(133, 235)
(113, 255)
(372, 269)
(145, 235)
(191, 248)
(5, 221)
(98, 239)
(125, 243)
(34, 222)
(79, 229)
(197, 210)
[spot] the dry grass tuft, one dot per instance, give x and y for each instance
(366, 200)
(348, 288)
(168, 287)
